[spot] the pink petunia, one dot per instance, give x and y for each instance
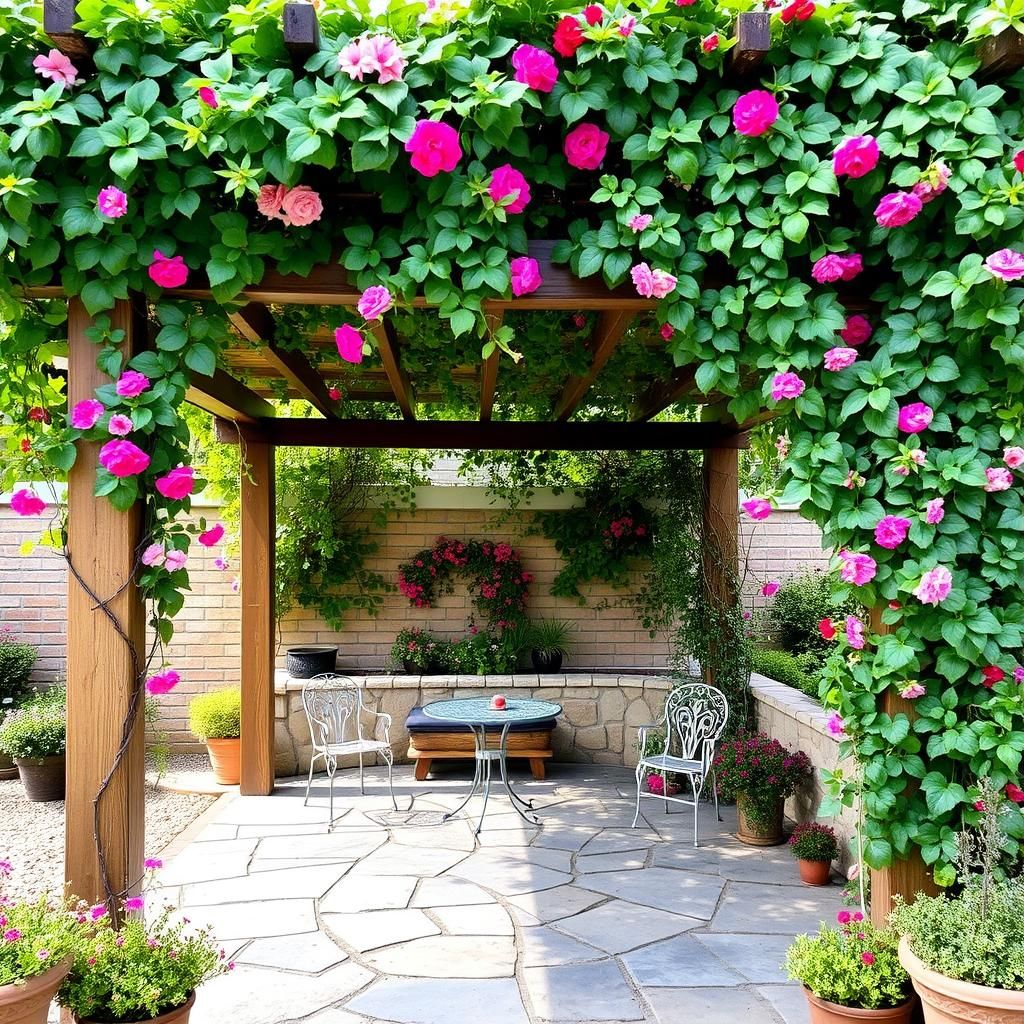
(212, 537)
(1018, 674)
(177, 484)
(175, 560)
(358, 59)
(770, 589)
(525, 275)
(915, 417)
(786, 385)
(934, 586)
(857, 568)
(627, 25)
(350, 343)
(112, 202)
(507, 181)
(25, 502)
(891, 531)
(57, 67)
(374, 302)
(640, 222)
(134, 903)
(390, 62)
(835, 724)
(153, 555)
(162, 682)
(935, 511)
(1006, 264)
(86, 414)
(153, 864)
(999, 479)
(855, 156)
(120, 425)
(757, 508)
(840, 358)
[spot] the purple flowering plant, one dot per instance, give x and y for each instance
(813, 841)
(760, 769)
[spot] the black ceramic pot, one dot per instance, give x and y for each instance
(546, 661)
(306, 662)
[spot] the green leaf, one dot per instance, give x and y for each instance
(201, 359)
(141, 96)
(97, 295)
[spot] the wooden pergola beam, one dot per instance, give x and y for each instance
(59, 17)
(301, 31)
(491, 436)
(225, 397)
(608, 332)
(1001, 55)
(662, 394)
(753, 41)
(397, 377)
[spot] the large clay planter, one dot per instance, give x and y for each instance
(30, 1003)
(814, 872)
(42, 777)
(755, 833)
(225, 760)
(176, 1016)
(824, 1012)
(948, 1001)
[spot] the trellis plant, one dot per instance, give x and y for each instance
(866, 163)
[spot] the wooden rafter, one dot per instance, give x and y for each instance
(228, 398)
(753, 41)
(611, 325)
(397, 377)
(1001, 55)
(489, 370)
(662, 394)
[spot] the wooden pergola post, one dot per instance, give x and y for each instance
(103, 545)
(721, 528)
(257, 680)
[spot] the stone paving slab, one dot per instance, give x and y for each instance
(372, 929)
(618, 926)
(757, 958)
(624, 861)
(452, 1001)
(789, 1002)
(545, 947)
(680, 962)
(779, 910)
(448, 956)
(587, 992)
(295, 882)
(448, 891)
(488, 919)
(255, 920)
(369, 893)
(308, 954)
(709, 1006)
(554, 904)
(681, 892)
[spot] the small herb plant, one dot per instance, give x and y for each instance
(419, 650)
(480, 653)
(760, 769)
(16, 663)
(855, 965)
(38, 728)
(216, 715)
(801, 671)
(550, 637)
(813, 841)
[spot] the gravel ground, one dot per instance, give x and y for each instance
(32, 834)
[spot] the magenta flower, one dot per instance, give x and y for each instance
(834, 267)
(209, 97)
(350, 343)
(934, 586)
(786, 385)
(25, 502)
(710, 43)
(86, 413)
(221, 563)
(585, 147)
(855, 156)
(891, 531)
(435, 147)
(134, 903)
(131, 384)
(1006, 264)
(112, 202)
(652, 283)
(12, 935)
(212, 537)
(667, 331)
(120, 425)
(507, 181)
(535, 68)
(390, 62)
(933, 183)
(1013, 456)
(167, 271)
(175, 560)
(98, 912)
(844, 917)
(641, 221)
(855, 632)
(935, 511)
(568, 36)
(177, 484)
(153, 555)
(162, 682)
(525, 275)
(236, 585)
(1018, 674)
(593, 14)
(867, 957)
(755, 112)
(757, 508)
(857, 330)
(835, 724)
(374, 302)
(627, 26)
(857, 568)
(897, 209)
(999, 479)
(153, 864)
(913, 690)
(770, 589)
(123, 458)
(57, 68)
(915, 417)
(840, 358)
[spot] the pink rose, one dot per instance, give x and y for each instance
(535, 68)
(57, 68)
(123, 458)
(435, 147)
(269, 200)
(1006, 264)
(855, 156)
(652, 283)
(212, 537)
(168, 271)
(999, 479)
(1014, 456)
(112, 202)
(786, 385)
(209, 97)
(568, 37)
(896, 209)
(664, 283)
(755, 112)
(301, 206)
(175, 560)
(162, 682)
(933, 183)
(153, 555)
(855, 632)
(593, 14)
(757, 508)
(840, 358)
(667, 331)
(852, 266)
(120, 425)
(131, 384)
(1018, 160)
(915, 417)
(25, 502)
(525, 275)
(177, 484)
(374, 302)
(507, 181)
(390, 62)
(935, 586)
(857, 568)
(935, 511)
(891, 531)
(710, 43)
(350, 343)
(858, 329)
(85, 414)
(770, 589)
(640, 222)
(912, 691)
(585, 147)
(837, 268)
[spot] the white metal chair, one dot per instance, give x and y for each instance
(694, 717)
(335, 711)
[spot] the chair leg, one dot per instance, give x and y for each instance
(332, 767)
(714, 790)
(664, 790)
(362, 788)
(639, 769)
(696, 801)
(309, 781)
(390, 758)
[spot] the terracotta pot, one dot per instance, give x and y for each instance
(42, 777)
(8, 769)
(30, 1003)
(824, 1012)
(755, 833)
(176, 1016)
(814, 872)
(224, 760)
(948, 1001)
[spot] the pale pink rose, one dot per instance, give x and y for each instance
(162, 682)
(535, 68)
(755, 112)
(1014, 456)
(855, 632)
(891, 531)
(855, 156)
(177, 484)
(933, 183)
(999, 479)
(507, 181)
(350, 343)
(301, 206)
(85, 414)
(153, 555)
(912, 691)
(857, 568)
(935, 511)
(167, 271)
(934, 586)
(627, 26)
(112, 202)
(359, 58)
(1006, 264)
(525, 275)
(120, 425)
(25, 502)
(757, 508)
(209, 97)
(641, 221)
(211, 537)
(585, 147)
(786, 385)
(435, 147)
(374, 302)
(662, 283)
(896, 209)
(840, 358)
(57, 68)
(770, 589)
(131, 384)
(269, 200)
(123, 458)
(643, 280)
(175, 560)
(915, 417)
(857, 330)
(390, 62)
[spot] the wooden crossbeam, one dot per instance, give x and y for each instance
(59, 17)
(224, 396)
(662, 394)
(1001, 55)
(491, 436)
(397, 377)
(301, 31)
(608, 331)
(753, 41)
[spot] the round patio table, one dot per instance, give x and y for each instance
(477, 714)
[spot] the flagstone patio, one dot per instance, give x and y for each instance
(400, 917)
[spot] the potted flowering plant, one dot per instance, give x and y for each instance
(16, 663)
(37, 941)
(759, 773)
(216, 718)
(418, 652)
(658, 783)
(35, 735)
(851, 973)
(815, 847)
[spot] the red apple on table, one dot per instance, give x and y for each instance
(498, 702)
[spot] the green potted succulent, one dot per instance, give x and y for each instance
(815, 847)
(16, 663)
(550, 640)
(38, 938)
(851, 973)
(35, 736)
(216, 718)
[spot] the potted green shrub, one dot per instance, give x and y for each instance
(815, 847)
(216, 718)
(550, 641)
(35, 736)
(38, 938)
(143, 971)
(851, 973)
(16, 663)
(419, 653)
(759, 773)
